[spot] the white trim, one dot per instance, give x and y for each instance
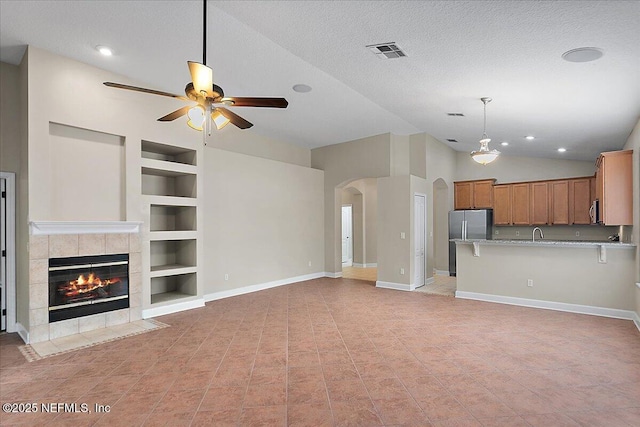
(24, 334)
(636, 320)
(370, 265)
(396, 286)
(550, 305)
(427, 281)
(347, 263)
(333, 275)
(172, 308)
(11, 251)
(260, 286)
(638, 285)
(83, 227)
(441, 272)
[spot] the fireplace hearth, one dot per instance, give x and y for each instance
(85, 285)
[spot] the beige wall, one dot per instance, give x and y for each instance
(53, 83)
(516, 169)
(566, 275)
(9, 118)
(556, 232)
(394, 203)
(633, 143)
(343, 163)
(264, 220)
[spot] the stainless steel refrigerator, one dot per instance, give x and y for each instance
(469, 224)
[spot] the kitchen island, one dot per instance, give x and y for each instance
(577, 276)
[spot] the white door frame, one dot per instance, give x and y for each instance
(349, 261)
(10, 178)
(422, 265)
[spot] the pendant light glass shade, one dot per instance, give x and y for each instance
(219, 120)
(484, 155)
(196, 117)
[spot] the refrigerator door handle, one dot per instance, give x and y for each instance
(464, 230)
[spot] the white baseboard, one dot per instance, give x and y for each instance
(347, 264)
(332, 275)
(24, 334)
(261, 286)
(172, 308)
(370, 265)
(396, 286)
(636, 320)
(441, 272)
(551, 305)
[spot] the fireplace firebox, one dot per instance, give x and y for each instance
(85, 285)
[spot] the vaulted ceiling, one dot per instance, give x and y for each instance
(456, 53)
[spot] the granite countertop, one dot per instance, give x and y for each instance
(555, 243)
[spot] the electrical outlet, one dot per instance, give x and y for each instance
(530, 283)
(402, 235)
(577, 234)
(226, 276)
(401, 270)
(309, 263)
(517, 233)
(497, 232)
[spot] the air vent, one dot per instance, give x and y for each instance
(455, 114)
(452, 140)
(387, 50)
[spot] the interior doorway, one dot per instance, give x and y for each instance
(420, 238)
(7, 252)
(347, 235)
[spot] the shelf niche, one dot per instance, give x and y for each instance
(173, 287)
(172, 218)
(172, 254)
(168, 153)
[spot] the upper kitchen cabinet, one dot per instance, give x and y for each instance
(502, 204)
(614, 187)
(580, 200)
(473, 194)
(520, 208)
(559, 191)
(540, 203)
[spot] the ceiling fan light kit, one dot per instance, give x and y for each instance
(210, 98)
(484, 155)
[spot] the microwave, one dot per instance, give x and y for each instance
(594, 212)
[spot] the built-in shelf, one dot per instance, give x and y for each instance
(170, 192)
(168, 288)
(168, 153)
(172, 218)
(164, 168)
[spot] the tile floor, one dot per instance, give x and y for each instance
(339, 352)
(442, 285)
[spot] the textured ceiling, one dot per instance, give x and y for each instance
(457, 52)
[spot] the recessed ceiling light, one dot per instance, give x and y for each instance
(529, 137)
(104, 50)
(562, 150)
(302, 88)
(504, 144)
(582, 54)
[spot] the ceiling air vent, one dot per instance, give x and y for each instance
(455, 114)
(452, 140)
(387, 50)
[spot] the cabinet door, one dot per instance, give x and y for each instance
(559, 202)
(502, 204)
(483, 195)
(520, 200)
(539, 203)
(616, 203)
(579, 201)
(462, 195)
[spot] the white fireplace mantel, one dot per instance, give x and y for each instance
(83, 227)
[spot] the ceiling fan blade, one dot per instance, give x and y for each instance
(234, 118)
(202, 78)
(256, 102)
(176, 114)
(141, 89)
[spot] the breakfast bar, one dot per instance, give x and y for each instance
(579, 276)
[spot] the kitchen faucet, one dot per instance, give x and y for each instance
(533, 234)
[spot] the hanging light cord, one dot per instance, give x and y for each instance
(484, 130)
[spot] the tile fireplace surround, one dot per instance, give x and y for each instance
(68, 239)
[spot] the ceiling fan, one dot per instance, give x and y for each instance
(210, 98)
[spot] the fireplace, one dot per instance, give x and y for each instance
(85, 285)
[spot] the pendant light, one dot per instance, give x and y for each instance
(484, 155)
